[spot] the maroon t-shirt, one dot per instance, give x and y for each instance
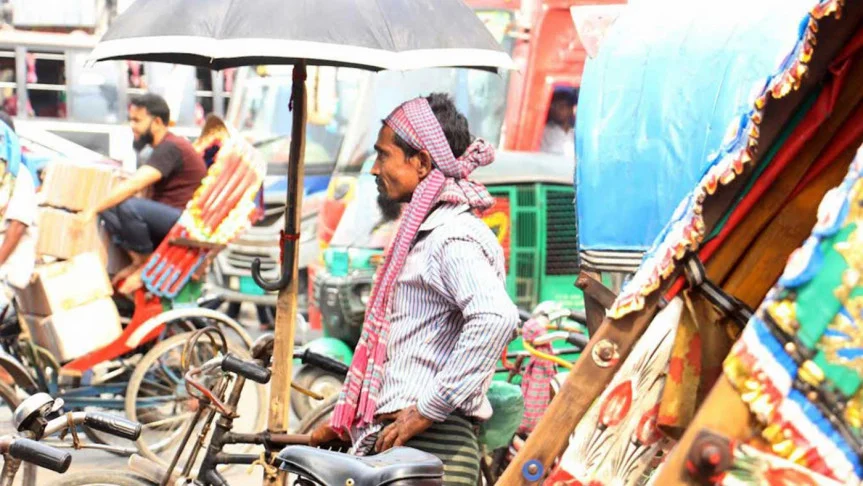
(182, 170)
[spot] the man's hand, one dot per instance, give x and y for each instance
(409, 423)
(325, 434)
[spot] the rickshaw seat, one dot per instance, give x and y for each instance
(223, 206)
(400, 465)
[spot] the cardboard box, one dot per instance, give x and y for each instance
(75, 332)
(63, 286)
(77, 186)
(117, 258)
(56, 237)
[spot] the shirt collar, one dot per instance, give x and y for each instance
(442, 214)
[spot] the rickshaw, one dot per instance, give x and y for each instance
(658, 393)
(120, 375)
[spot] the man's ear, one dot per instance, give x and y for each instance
(425, 164)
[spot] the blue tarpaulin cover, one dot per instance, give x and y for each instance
(673, 81)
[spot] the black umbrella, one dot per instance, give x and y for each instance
(370, 34)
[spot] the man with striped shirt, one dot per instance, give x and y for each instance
(439, 314)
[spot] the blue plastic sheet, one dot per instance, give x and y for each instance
(673, 80)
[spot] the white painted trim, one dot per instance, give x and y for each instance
(292, 49)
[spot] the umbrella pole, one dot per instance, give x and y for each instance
(286, 307)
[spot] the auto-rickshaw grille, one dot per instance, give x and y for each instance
(561, 235)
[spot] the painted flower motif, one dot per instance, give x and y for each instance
(787, 477)
(646, 432)
(616, 406)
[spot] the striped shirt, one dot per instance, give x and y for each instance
(450, 319)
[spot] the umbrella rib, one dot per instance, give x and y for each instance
(221, 27)
(387, 24)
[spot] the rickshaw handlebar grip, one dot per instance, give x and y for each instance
(578, 340)
(111, 424)
(247, 369)
(578, 316)
(41, 455)
(324, 362)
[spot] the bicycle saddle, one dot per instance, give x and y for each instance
(400, 465)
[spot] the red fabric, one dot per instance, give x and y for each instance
(850, 132)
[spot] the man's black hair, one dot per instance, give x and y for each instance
(7, 119)
(569, 95)
(454, 125)
(155, 105)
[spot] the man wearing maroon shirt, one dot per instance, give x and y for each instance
(172, 174)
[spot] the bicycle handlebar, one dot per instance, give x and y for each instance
(247, 369)
(35, 453)
(111, 424)
(331, 365)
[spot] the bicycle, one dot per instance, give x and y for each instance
(39, 417)
(218, 383)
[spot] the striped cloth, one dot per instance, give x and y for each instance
(456, 444)
(415, 123)
(451, 318)
(536, 383)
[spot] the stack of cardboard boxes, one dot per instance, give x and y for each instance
(68, 189)
(67, 307)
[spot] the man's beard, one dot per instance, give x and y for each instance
(145, 139)
(390, 208)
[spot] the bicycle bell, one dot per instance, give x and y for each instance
(35, 412)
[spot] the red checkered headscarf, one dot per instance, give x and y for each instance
(417, 125)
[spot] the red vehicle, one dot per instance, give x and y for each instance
(542, 39)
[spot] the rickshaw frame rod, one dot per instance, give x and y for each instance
(595, 289)
(597, 299)
(267, 439)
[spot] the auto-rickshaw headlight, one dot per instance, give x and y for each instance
(364, 291)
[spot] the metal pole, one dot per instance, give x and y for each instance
(218, 93)
(21, 80)
(286, 306)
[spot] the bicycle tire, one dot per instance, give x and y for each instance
(140, 373)
(306, 378)
(101, 478)
(318, 415)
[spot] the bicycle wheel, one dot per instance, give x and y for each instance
(198, 318)
(318, 415)
(157, 398)
(101, 478)
(317, 380)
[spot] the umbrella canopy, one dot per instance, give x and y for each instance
(368, 34)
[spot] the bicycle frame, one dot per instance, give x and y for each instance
(149, 323)
(213, 403)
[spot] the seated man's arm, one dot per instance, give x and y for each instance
(490, 318)
(145, 177)
(164, 161)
